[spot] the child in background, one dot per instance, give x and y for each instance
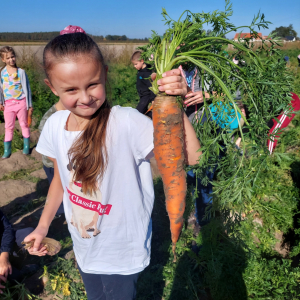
(143, 83)
(193, 102)
(15, 99)
(47, 163)
(299, 59)
(282, 121)
(194, 98)
(8, 238)
(92, 145)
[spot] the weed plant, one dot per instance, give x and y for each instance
(17, 291)
(65, 280)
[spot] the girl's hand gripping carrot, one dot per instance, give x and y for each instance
(172, 83)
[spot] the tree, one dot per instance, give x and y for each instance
(283, 31)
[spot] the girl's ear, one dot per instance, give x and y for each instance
(50, 86)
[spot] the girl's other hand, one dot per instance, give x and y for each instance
(172, 83)
(193, 98)
(37, 236)
(1, 107)
(30, 109)
(5, 266)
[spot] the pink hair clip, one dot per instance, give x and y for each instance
(71, 29)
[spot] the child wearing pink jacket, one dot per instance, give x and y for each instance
(15, 99)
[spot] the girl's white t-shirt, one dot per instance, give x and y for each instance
(111, 230)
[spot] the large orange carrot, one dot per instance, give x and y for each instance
(169, 155)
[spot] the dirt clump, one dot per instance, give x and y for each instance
(39, 174)
(15, 192)
(18, 161)
(34, 136)
(36, 155)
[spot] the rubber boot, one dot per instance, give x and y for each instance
(7, 150)
(26, 148)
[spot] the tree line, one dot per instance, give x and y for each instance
(47, 36)
(284, 31)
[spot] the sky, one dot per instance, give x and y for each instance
(132, 18)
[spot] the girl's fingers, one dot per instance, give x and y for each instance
(41, 252)
(193, 103)
(153, 76)
(176, 92)
(174, 72)
(190, 94)
(173, 85)
(37, 240)
(170, 86)
(170, 79)
(195, 99)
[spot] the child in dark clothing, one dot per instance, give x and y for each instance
(143, 83)
(8, 238)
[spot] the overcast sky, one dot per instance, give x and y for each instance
(133, 18)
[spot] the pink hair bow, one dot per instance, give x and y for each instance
(71, 29)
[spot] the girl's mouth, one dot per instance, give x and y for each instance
(86, 106)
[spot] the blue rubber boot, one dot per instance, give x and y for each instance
(26, 148)
(7, 150)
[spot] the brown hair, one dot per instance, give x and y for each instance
(88, 154)
(136, 56)
(4, 50)
(240, 104)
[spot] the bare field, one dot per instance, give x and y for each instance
(26, 49)
(285, 45)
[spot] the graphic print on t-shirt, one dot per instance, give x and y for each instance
(86, 208)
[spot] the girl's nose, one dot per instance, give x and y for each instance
(85, 98)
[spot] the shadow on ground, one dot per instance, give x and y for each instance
(215, 273)
(25, 212)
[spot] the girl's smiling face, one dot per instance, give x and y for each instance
(9, 59)
(80, 85)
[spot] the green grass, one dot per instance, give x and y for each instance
(121, 89)
(23, 174)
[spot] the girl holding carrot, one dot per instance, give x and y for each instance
(91, 145)
(15, 99)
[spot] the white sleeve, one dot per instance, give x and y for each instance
(45, 144)
(140, 134)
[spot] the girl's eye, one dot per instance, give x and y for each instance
(93, 84)
(70, 90)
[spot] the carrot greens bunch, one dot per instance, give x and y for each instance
(254, 200)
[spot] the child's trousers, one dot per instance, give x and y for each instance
(109, 287)
(12, 109)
